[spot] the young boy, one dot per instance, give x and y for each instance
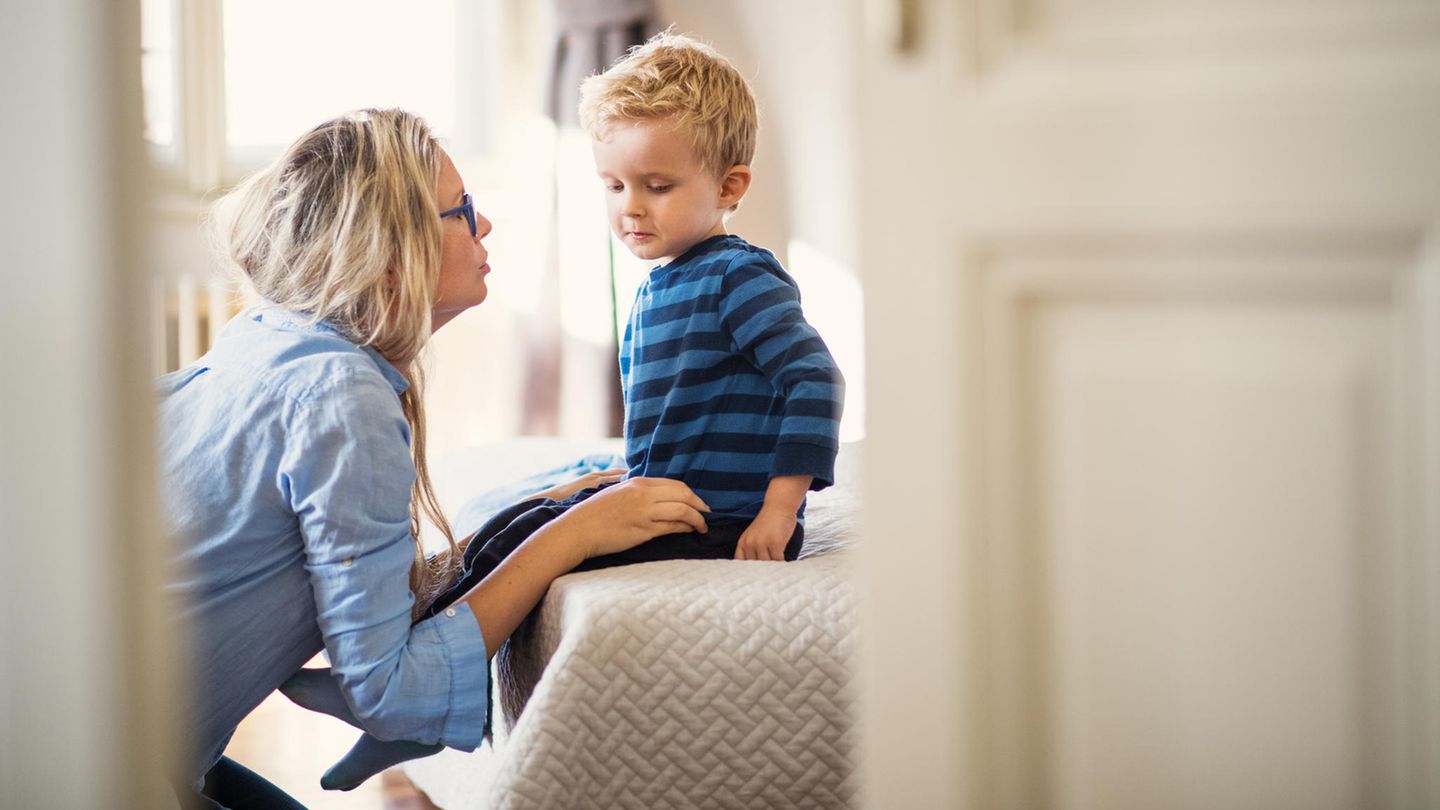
(727, 388)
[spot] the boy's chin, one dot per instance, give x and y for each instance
(648, 253)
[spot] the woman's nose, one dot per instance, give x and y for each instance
(482, 226)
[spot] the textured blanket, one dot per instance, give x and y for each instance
(675, 684)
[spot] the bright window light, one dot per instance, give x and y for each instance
(157, 70)
(835, 305)
(289, 65)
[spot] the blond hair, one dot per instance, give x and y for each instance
(687, 83)
(344, 227)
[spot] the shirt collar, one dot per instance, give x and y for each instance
(276, 316)
(392, 374)
(707, 244)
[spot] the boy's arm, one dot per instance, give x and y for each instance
(760, 310)
(769, 533)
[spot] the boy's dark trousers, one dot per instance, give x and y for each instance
(504, 533)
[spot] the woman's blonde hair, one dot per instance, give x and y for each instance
(344, 227)
(677, 79)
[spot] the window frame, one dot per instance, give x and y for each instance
(199, 160)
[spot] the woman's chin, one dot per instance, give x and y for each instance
(444, 313)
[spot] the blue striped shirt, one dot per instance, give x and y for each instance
(726, 385)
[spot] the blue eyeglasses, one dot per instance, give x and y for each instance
(466, 207)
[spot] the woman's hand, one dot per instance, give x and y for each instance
(632, 512)
(614, 519)
(594, 479)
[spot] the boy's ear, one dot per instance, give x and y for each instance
(734, 185)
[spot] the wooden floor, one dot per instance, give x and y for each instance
(397, 792)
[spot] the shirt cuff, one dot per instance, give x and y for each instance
(464, 646)
(803, 458)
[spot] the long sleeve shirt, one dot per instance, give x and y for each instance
(286, 464)
(726, 384)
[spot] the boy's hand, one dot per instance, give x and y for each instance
(770, 532)
(767, 535)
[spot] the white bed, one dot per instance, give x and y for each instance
(672, 684)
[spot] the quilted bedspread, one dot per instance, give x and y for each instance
(694, 683)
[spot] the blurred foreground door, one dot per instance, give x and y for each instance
(86, 683)
(1153, 297)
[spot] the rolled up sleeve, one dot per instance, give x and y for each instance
(348, 477)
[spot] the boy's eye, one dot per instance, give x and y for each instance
(660, 189)
(614, 187)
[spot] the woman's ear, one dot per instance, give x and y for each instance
(734, 185)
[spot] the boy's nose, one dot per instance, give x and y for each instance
(631, 207)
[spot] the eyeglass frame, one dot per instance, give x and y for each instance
(466, 207)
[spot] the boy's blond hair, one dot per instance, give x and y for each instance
(677, 79)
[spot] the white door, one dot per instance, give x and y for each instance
(86, 674)
(1153, 298)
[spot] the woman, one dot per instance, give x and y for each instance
(294, 456)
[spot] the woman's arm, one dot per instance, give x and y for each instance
(439, 562)
(615, 519)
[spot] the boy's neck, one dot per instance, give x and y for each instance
(718, 230)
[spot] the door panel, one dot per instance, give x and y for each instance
(1165, 270)
(1192, 531)
(1201, 526)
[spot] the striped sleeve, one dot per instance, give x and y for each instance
(759, 309)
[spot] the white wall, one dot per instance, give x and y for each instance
(799, 57)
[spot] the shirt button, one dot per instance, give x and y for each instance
(349, 561)
(450, 612)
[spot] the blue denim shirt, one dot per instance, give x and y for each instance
(286, 466)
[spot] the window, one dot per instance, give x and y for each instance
(157, 70)
(289, 65)
(229, 84)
